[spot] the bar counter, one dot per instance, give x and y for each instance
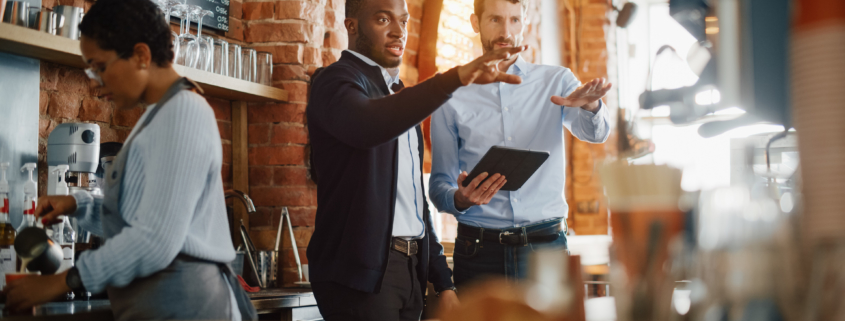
(289, 302)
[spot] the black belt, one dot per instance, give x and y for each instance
(511, 236)
(407, 247)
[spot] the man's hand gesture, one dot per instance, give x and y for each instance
(485, 69)
(586, 96)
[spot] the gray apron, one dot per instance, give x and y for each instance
(188, 288)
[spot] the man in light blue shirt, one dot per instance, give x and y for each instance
(498, 229)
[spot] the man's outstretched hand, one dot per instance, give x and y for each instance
(587, 96)
(485, 69)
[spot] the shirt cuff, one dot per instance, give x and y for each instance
(599, 115)
(450, 203)
(84, 200)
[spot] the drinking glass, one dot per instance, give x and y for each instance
(199, 50)
(221, 57)
(207, 50)
(181, 44)
(250, 64)
(235, 61)
(166, 7)
(265, 68)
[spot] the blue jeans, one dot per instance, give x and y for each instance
(476, 259)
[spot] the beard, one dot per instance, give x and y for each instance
(488, 45)
(365, 45)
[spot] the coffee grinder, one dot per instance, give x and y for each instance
(76, 145)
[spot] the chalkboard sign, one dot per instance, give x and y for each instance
(220, 8)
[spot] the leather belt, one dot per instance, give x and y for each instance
(407, 247)
(511, 236)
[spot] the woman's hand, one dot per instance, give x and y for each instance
(50, 207)
(24, 293)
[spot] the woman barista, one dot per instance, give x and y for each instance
(163, 213)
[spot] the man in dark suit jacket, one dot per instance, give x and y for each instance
(374, 245)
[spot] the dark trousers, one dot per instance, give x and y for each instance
(400, 297)
(477, 259)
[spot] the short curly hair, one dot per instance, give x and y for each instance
(121, 24)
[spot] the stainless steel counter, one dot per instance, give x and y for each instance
(276, 300)
(265, 301)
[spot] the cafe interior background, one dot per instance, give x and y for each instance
(750, 147)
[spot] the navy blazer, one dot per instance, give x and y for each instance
(354, 123)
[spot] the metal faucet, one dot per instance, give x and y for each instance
(250, 208)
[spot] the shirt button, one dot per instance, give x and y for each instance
(516, 200)
(506, 108)
(510, 138)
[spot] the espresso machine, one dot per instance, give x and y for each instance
(76, 145)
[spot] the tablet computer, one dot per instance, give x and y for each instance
(518, 165)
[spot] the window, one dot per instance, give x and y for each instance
(457, 43)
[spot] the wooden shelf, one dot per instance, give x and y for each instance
(43, 46)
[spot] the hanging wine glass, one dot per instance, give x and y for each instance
(168, 9)
(185, 37)
(202, 55)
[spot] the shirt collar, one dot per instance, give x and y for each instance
(519, 67)
(388, 79)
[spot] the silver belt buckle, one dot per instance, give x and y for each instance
(407, 248)
(504, 233)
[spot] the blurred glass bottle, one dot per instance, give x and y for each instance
(65, 236)
(8, 259)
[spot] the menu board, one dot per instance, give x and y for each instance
(220, 8)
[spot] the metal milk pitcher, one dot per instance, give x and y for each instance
(72, 18)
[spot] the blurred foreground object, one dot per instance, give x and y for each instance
(554, 291)
(645, 218)
(818, 69)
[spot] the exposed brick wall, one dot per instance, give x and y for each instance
(303, 36)
(593, 42)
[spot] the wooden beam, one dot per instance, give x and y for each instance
(427, 54)
(426, 61)
(240, 165)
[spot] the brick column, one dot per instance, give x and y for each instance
(584, 191)
(302, 36)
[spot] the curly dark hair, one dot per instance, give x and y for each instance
(121, 24)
